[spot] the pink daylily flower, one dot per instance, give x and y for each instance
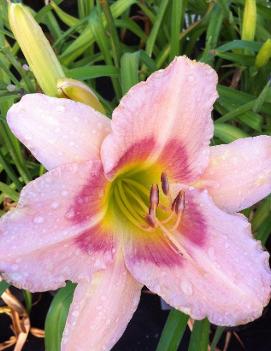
(139, 200)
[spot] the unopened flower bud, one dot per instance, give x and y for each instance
(249, 20)
(264, 54)
(78, 91)
(35, 47)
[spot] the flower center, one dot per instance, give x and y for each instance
(142, 199)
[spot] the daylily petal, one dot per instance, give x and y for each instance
(58, 131)
(55, 233)
(168, 116)
(220, 272)
(239, 174)
(101, 310)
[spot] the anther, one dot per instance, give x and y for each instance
(164, 183)
(178, 204)
(154, 202)
(154, 196)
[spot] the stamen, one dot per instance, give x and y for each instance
(151, 220)
(164, 183)
(154, 202)
(178, 204)
(178, 207)
(154, 196)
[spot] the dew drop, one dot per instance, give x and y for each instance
(64, 193)
(11, 87)
(55, 205)
(38, 220)
(70, 214)
(187, 288)
(75, 314)
(60, 108)
(211, 253)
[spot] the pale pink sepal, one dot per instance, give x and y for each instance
(222, 273)
(55, 234)
(239, 174)
(169, 116)
(101, 310)
(58, 131)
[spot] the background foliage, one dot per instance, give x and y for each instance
(112, 45)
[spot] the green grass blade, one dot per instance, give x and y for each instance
(8, 191)
(228, 133)
(86, 38)
(218, 334)
(156, 27)
(114, 38)
(173, 331)
(129, 70)
(91, 72)
(177, 14)
(56, 317)
(3, 286)
(200, 336)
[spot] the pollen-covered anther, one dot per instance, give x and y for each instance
(179, 202)
(154, 196)
(178, 206)
(164, 183)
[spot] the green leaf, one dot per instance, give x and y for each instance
(3, 286)
(263, 232)
(86, 38)
(156, 27)
(56, 317)
(129, 65)
(213, 32)
(218, 334)
(200, 336)
(7, 190)
(228, 133)
(240, 44)
(177, 16)
(262, 213)
(173, 331)
(91, 72)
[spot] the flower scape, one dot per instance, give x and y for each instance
(139, 200)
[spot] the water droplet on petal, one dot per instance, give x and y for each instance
(187, 288)
(70, 214)
(38, 220)
(211, 253)
(55, 205)
(60, 108)
(11, 87)
(64, 193)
